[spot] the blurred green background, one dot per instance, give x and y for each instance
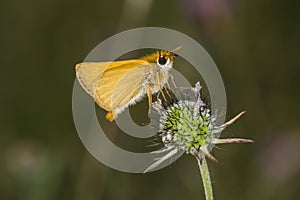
(254, 43)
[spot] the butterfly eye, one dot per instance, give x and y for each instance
(162, 60)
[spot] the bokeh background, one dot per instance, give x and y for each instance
(254, 43)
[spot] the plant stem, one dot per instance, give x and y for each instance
(205, 178)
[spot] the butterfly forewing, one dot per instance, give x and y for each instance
(117, 86)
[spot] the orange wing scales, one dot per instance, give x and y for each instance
(118, 85)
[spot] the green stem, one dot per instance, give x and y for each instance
(205, 178)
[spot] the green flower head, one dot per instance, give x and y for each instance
(187, 125)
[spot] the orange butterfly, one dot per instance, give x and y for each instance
(118, 84)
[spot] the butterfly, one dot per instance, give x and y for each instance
(116, 85)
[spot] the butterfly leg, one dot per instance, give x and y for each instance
(168, 93)
(173, 81)
(149, 96)
(168, 85)
(160, 88)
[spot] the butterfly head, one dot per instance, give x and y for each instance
(162, 58)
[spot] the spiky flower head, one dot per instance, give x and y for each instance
(187, 125)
